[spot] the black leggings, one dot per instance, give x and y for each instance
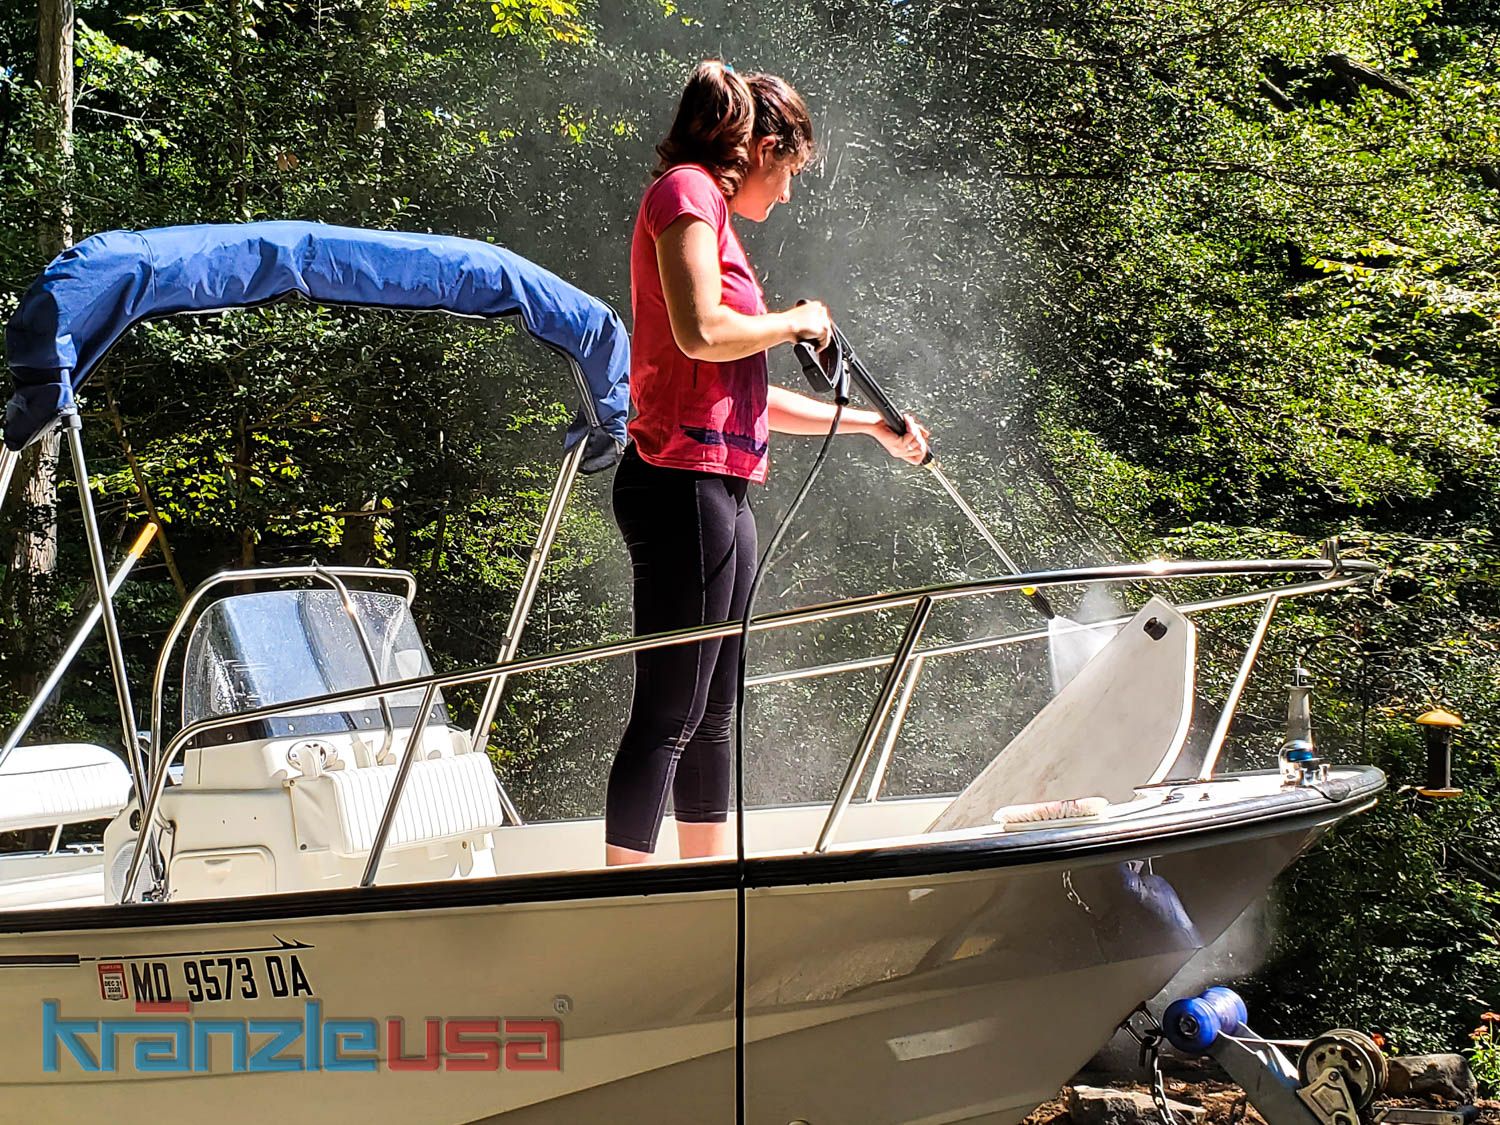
(691, 538)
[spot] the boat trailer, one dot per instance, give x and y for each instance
(1335, 1080)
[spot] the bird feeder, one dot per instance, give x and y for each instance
(1438, 729)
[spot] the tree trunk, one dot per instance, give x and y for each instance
(36, 548)
(34, 554)
(239, 141)
(54, 73)
(401, 540)
(369, 101)
(37, 551)
(244, 449)
(357, 545)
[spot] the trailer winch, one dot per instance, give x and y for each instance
(1335, 1080)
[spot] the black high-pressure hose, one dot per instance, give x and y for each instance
(822, 380)
(841, 398)
(833, 371)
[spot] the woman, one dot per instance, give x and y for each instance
(704, 411)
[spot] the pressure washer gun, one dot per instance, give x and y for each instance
(843, 366)
(833, 370)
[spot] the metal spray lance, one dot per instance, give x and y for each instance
(833, 370)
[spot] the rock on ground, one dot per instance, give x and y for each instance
(1102, 1105)
(1220, 1103)
(1447, 1076)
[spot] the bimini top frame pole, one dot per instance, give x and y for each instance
(510, 644)
(8, 461)
(1323, 575)
(130, 734)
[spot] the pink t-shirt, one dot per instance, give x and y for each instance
(693, 414)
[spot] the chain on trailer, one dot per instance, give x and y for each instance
(1149, 1036)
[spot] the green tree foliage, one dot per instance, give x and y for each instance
(1198, 277)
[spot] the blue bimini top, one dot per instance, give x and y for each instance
(90, 294)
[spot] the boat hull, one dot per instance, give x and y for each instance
(960, 980)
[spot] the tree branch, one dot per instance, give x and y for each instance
(1276, 95)
(1363, 75)
(141, 487)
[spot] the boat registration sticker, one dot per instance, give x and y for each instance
(112, 984)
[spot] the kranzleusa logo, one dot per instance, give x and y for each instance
(165, 1038)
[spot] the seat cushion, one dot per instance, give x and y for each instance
(444, 798)
(63, 783)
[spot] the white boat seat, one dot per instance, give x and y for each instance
(1121, 722)
(444, 799)
(61, 783)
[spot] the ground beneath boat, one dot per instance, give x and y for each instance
(1205, 1085)
(1223, 1102)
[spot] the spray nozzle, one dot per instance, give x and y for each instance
(1039, 600)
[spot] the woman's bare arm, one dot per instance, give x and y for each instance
(687, 256)
(793, 413)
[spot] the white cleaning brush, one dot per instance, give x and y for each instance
(1051, 814)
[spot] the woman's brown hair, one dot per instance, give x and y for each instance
(721, 115)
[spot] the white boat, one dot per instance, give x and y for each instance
(315, 900)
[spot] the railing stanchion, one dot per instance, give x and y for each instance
(388, 817)
(861, 755)
(73, 427)
(893, 730)
(1236, 689)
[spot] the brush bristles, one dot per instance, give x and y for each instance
(1069, 809)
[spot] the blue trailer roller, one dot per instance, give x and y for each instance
(1194, 1022)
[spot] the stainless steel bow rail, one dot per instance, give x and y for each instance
(1317, 575)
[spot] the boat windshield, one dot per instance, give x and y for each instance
(280, 646)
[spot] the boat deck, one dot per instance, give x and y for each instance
(788, 834)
